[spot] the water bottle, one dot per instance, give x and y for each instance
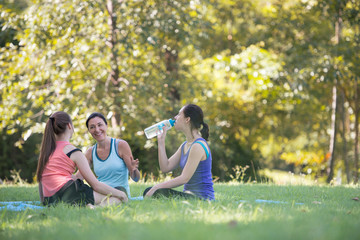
(157, 128)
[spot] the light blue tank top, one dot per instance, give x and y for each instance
(111, 171)
(201, 182)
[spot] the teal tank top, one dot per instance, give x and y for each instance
(111, 171)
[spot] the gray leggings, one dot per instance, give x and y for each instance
(170, 193)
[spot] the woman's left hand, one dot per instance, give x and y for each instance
(161, 137)
(134, 163)
(134, 172)
(150, 192)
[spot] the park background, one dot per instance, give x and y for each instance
(278, 81)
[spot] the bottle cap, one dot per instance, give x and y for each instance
(172, 122)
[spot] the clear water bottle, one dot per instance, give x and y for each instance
(157, 128)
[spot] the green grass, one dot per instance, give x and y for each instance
(326, 213)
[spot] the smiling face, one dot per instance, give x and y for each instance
(97, 128)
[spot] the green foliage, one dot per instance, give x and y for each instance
(261, 70)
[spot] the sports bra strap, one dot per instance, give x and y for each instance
(74, 150)
(202, 144)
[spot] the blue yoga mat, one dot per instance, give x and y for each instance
(20, 205)
(270, 201)
(36, 205)
(139, 198)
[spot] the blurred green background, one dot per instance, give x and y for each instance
(278, 80)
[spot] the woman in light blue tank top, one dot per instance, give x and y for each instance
(111, 158)
(193, 157)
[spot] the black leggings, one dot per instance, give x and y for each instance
(74, 193)
(170, 193)
(122, 189)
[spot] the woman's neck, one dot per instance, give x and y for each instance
(192, 136)
(62, 137)
(104, 143)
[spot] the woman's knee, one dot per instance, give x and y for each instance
(108, 201)
(113, 201)
(103, 200)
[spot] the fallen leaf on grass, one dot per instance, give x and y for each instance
(232, 223)
(36, 217)
(356, 199)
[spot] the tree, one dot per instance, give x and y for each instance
(80, 57)
(261, 70)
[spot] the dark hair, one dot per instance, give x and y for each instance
(197, 119)
(55, 125)
(94, 115)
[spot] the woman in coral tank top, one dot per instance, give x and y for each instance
(58, 161)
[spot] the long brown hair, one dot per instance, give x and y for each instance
(197, 119)
(55, 125)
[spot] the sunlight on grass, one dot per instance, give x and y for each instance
(286, 178)
(323, 213)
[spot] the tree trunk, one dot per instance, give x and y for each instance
(357, 113)
(171, 64)
(114, 77)
(111, 42)
(332, 136)
(334, 103)
(342, 111)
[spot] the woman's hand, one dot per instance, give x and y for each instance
(131, 164)
(161, 137)
(122, 196)
(134, 163)
(151, 192)
(134, 173)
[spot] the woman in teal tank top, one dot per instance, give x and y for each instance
(193, 157)
(111, 158)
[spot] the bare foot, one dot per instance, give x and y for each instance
(91, 206)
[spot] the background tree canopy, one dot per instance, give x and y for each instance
(262, 70)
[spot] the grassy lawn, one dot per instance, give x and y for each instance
(301, 212)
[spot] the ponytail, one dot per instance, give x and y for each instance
(55, 125)
(205, 131)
